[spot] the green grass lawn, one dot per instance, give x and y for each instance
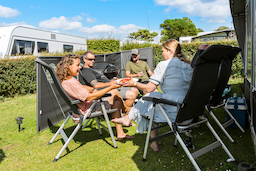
(27, 150)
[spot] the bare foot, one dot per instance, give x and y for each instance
(126, 136)
(154, 146)
(124, 120)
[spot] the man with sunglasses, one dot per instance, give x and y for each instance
(98, 80)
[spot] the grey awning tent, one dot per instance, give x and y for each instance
(243, 14)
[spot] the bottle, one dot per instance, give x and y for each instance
(141, 73)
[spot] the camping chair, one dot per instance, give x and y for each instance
(216, 99)
(72, 104)
(203, 82)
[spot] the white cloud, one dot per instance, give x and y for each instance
(15, 24)
(60, 23)
(214, 10)
(7, 12)
(91, 20)
(77, 18)
(98, 29)
(108, 29)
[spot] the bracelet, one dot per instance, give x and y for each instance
(93, 89)
(135, 84)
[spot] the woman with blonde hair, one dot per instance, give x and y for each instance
(173, 74)
(69, 67)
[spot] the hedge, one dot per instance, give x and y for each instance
(16, 74)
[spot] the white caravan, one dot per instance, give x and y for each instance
(22, 40)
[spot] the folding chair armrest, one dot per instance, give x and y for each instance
(76, 101)
(79, 101)
(160, 100)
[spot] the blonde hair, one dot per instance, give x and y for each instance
(174, 46)
(62, 70)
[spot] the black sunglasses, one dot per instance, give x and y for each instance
(92, 59)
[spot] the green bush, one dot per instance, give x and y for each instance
(15, 76)
(103, 45)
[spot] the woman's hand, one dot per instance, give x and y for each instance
(129, 84)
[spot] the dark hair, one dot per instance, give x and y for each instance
(62, 70)
(86, 53)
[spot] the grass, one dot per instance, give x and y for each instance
(27, 150)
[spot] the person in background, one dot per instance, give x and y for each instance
(173, 74)
(67, 68)
(98, 80)
(137, 68)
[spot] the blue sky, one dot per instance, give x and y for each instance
(112, 18)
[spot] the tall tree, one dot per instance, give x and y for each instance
(199, 30)
(143, 34)
(173, 29)
(221, 28)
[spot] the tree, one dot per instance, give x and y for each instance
(173, 29)
(143, 34)
(199, 30)
(221, 28)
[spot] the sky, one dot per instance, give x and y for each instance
(95, 19)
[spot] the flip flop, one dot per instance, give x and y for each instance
(126, 137)
(132, 124)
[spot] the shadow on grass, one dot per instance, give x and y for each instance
(174, 158)
(83, 136)
(2, 155)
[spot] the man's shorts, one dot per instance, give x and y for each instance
(123, 90)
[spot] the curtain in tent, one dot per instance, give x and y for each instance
(28, 47)
(17, 47)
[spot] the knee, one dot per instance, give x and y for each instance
(131, 94)
(135, 91)
(115, 91)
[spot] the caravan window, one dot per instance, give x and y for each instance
(68, 48)
(42, 47)
(22, 47)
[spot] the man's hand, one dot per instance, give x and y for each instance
(140, 74)
(113, 86)
(113, 81)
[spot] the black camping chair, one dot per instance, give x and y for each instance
(216, 99)
(203, 82)
(72, 104)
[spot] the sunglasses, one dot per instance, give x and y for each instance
(92, 59)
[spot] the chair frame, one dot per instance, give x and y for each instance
(191, 108)
(177, 129)
(216, 97)
(75, 109)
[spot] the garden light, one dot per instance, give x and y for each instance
(19, 121)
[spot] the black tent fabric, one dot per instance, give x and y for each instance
(51, 109)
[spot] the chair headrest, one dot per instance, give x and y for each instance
(214, 53)
(234, 52)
